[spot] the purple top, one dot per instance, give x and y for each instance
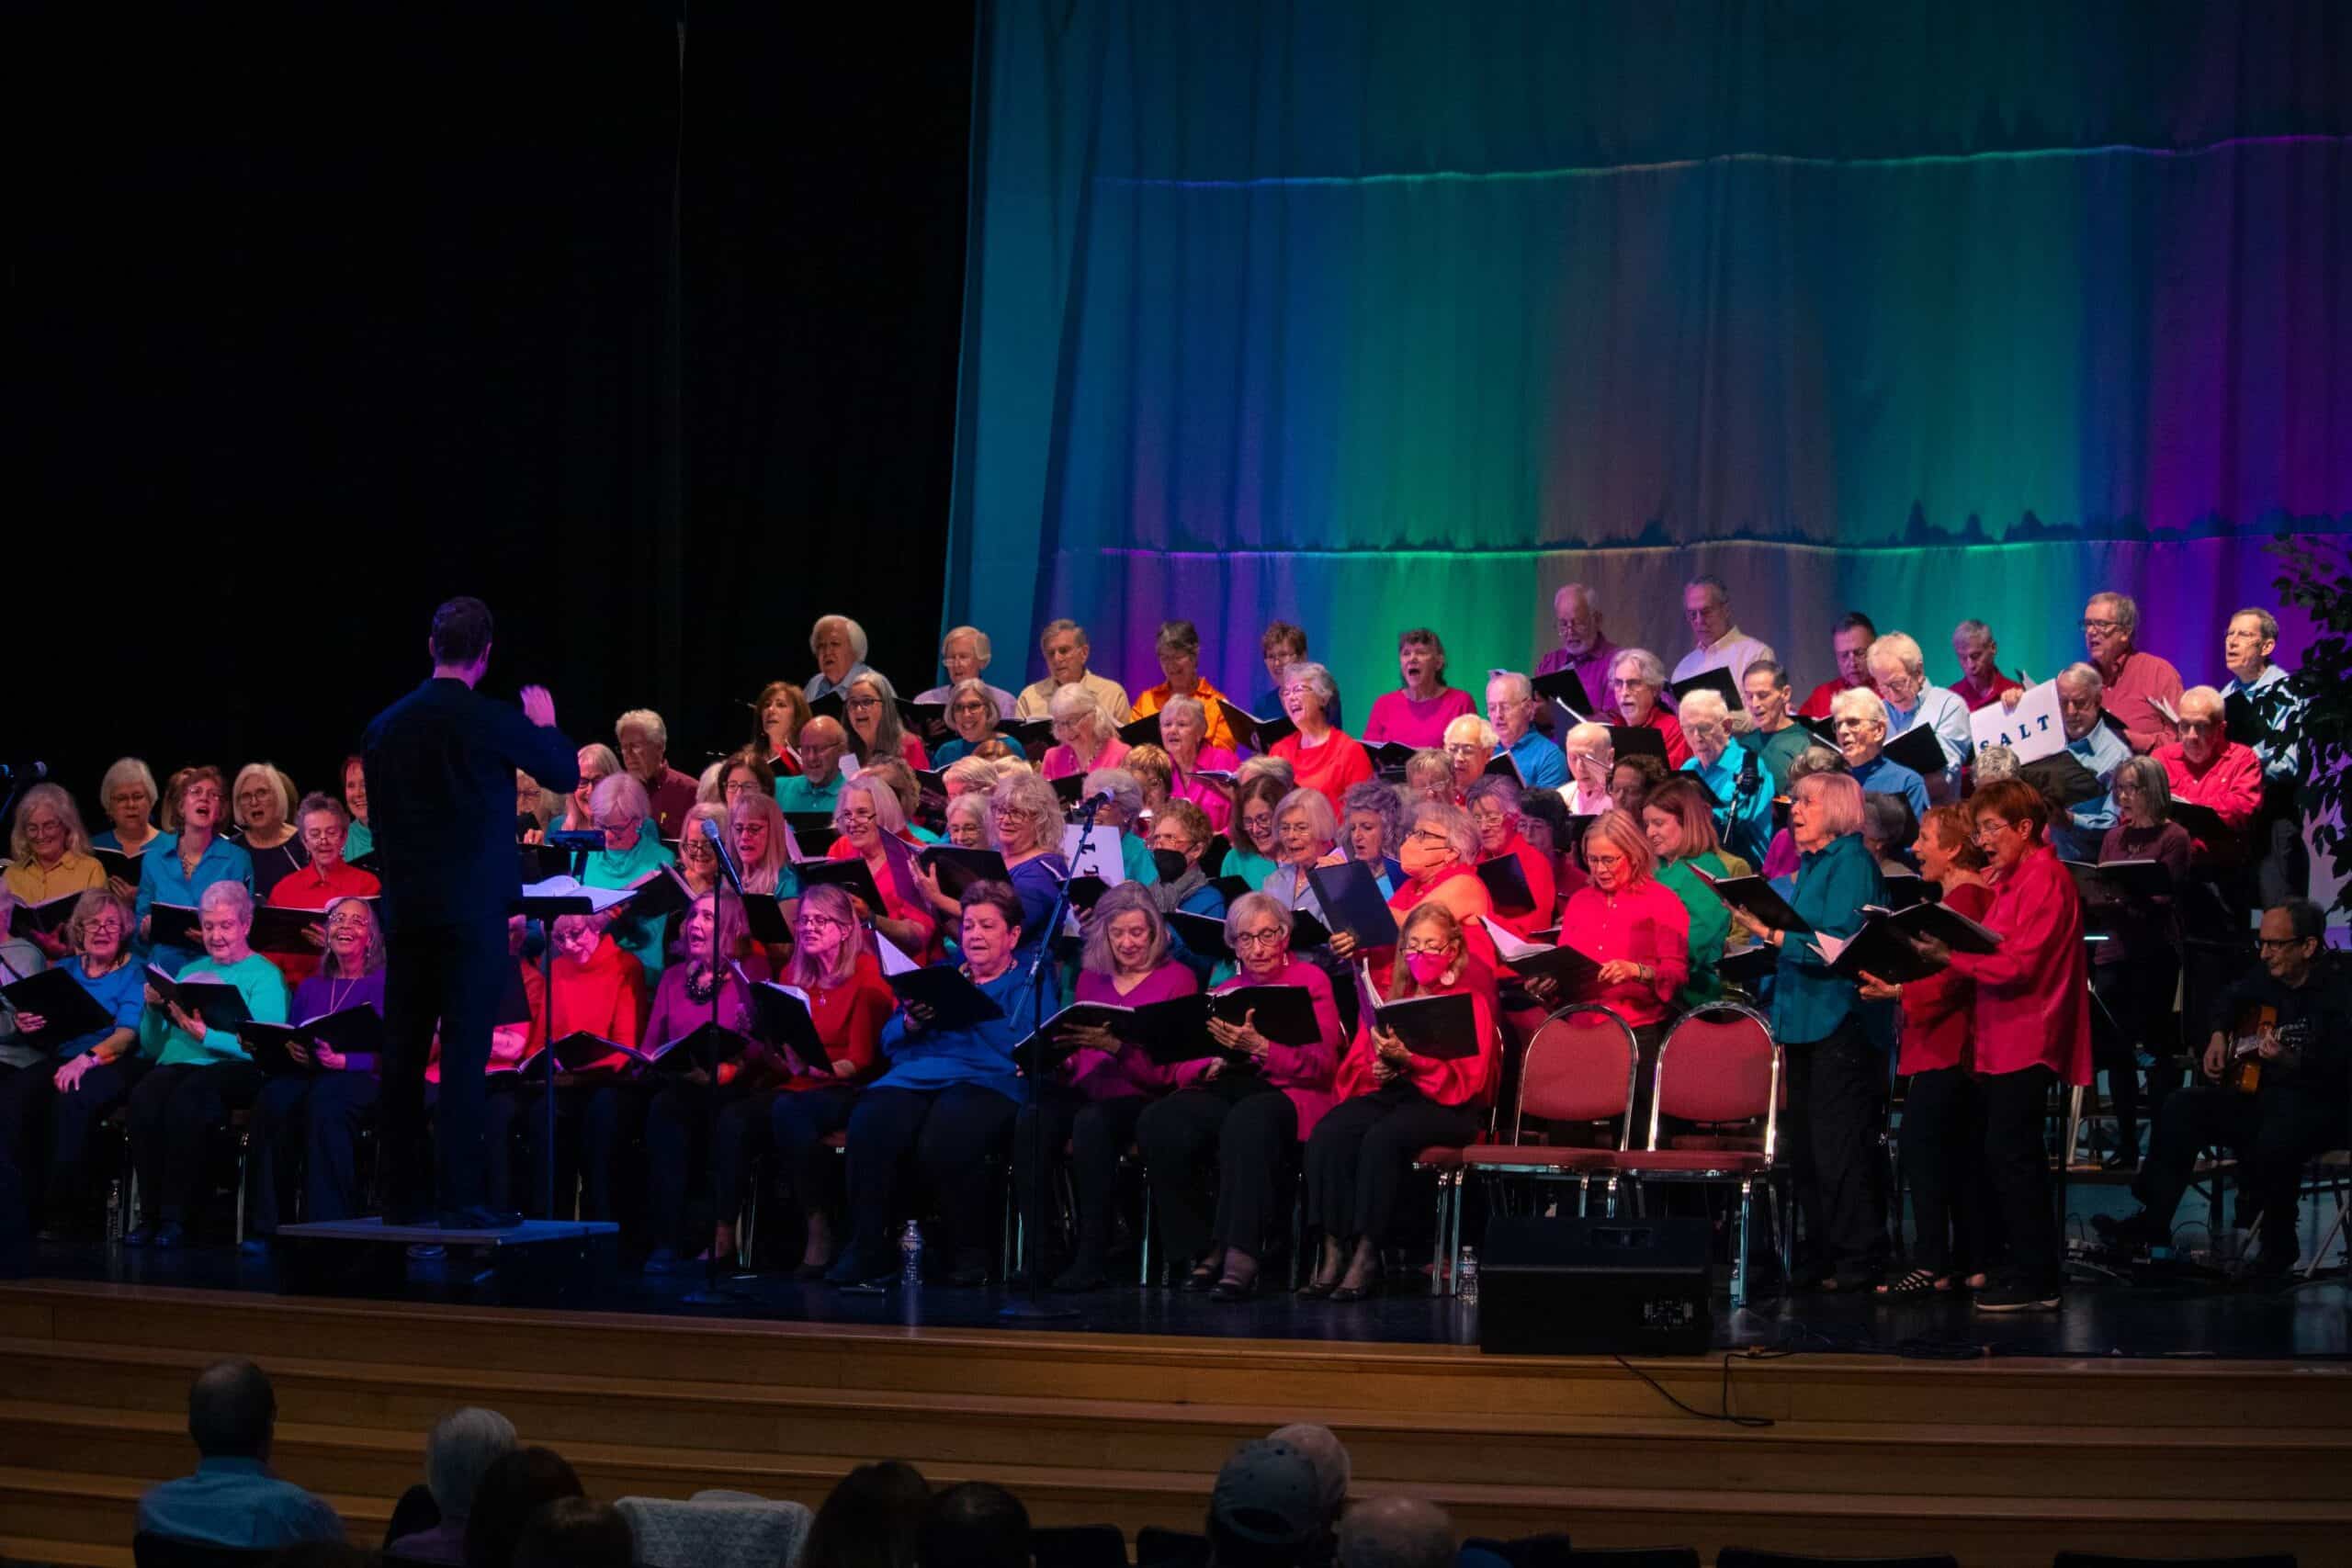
(677, 1015)
(1100, 1074)
(321, 994)
(2138, 929)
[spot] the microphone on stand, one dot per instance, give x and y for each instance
(1093, 803)
(726, 859)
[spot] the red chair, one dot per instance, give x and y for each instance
(1717, 1065)
(1580, 1066)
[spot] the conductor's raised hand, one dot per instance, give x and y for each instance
(539, 707)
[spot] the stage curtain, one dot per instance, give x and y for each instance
(1373, 313)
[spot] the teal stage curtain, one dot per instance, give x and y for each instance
(1368, 314)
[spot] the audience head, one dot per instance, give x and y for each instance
(1706, 609)
(100, 929)
(46, 825)
(1850, 640)
(2110, 622)
(1281, 645)
(1576, 617)
(1333, 1469)
(964, 653)
(459, 638)
(781, 710)
(264, 798)
(2246, 645)
(1469, 747)
(2010, 819)
(976, 1524)
(644, 744)
(576, 1533)
(825, 943)
(2290, 937)
(1706, 726)
(839, 644)
(1428, 774)
(620, 808)
(1064, 644)
(1396, 1532)
(1947, 844)
(1026, 812)
(1306, 827)
(1511, 707)
(231, 1411)
(2081, 692)
(1822, 807)
(2203, 731)
(1979, 655)
(1266, 1509)
(1257, 927)
(514, 1488)
(1421, 658)
(224, 918)
(1764, 692)
(989, 927)
(1637, 676)
(1859, 718)
(872, 1518)
(822, 742)
(1631, 779)
(1492, 805)
(459, 1450)
(972, 710)
(128, 792)
(1372, 812)
(1678, 821)
(1898, 667)
(1438, 834)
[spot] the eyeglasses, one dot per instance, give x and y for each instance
(103, 928)
(820, 923)
(1464, 749)
(1427, 836)
(1440, 948)
(1011, 814)
(862, 704)
(1488, 819)
(967, 706)
(2094, 625)
(2280, 944)
(1269, 937)
(857, 818)
(1991, 827)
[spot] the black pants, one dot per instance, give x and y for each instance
(75, 1115)
(595, 1125)
(798, 1124)
(1837, 1108)
(1097, 1133)
(26, 1094)
(170, 1110)
(2137, 993)
(445, 977)
(2276, 1132)
(1943, 1156)
(310, 1123)
(2017, 1164)
(1234, 1140)
(1357, 1156)
(942, 1136)
(677, 1138)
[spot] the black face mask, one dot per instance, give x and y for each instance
(1171, 864)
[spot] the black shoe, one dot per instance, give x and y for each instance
(1234, 1289)
(2121, 1159)
(2014, 1297)
(1198, 1282)
(479, 1218)
(1312, 1291)
(810, 1273)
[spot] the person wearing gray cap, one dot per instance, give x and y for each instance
(1266, 1510)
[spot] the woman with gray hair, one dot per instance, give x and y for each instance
(1637, 686)
(839, 644)
(464, 1444)
(1085, 736)
(1373, 822)
(1183, 734)
(1093, 1100)
(633, 853)
(1306, 832)
(1439, 854)
(1245, 1115)
(870, 709)
(1320, 755)
(1121, 811)
(973, 714)
(1027, 817)
(200, 1073)
(128, 792)
(323, 1111)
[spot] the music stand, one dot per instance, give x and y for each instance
(722, 966)
(548, 909)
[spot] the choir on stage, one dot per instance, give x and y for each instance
(891, 956)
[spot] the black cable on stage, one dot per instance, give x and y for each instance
(1725, 1413)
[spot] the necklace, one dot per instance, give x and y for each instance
(335, 996)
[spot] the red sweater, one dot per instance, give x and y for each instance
(310, 889)
(1647, 924)
(1485, 962)
(2033, 991)
(1465, 1080)
(1938, 1010)
(603, 997)
(1677, 750)
(1334, 767)
(895, 906)
(2230, 783)
(849, 1019)
(1816, 702)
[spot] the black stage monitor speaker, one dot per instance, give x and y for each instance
(1595, 1287)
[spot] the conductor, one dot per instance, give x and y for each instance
(441, 769)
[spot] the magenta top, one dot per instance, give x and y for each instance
(1306, 1072)
(1217, 804)
(1396, 717)
(1101, 1075)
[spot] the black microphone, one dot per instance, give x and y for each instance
(726, 861)
(1093, 803)
(23, 773)
(575, 838)
(1748, 778)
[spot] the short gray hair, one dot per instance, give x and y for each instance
(130, 770)
(1861, 701)
(645, 719)
(1320, 819)
(1995, 763)
(1468, 726)
(1055, 627)
(1315, 675)
(1520, 688)
(1254, 904)
(1901, 646)
(1449, 819)
(1378, 797)
(1713, 584)
(1191, 704)
(2081, 675)
(1973, 629)
(2126, 613)
(621, 791)
(1125, 790)
(462, 1447)
(2205, 697)
(856, 634)
(973, 686)
(979, 643)
(232, 894)
(2263, 619)
(1070, 701)
(1649, 667)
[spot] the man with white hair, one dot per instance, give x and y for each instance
(1510, 708)
(963, 653)
(645, 753)
(2135, 680)
(464, 1444)
(839, 644)
(1717, 643)
(1064, 643)
(1900, 671)
(1743, 814)
(1591, 752)
(1585, 649)
(2205, 767)
(1860, 720)
(2094, 745)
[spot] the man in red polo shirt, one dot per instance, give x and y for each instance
(1981, 681)
(1850, 639)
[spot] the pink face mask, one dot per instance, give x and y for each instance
(1428, 968)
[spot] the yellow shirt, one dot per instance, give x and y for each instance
(72, 873)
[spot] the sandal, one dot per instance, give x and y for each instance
(1915, 1282)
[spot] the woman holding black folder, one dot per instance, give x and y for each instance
(1493, 804)
(1249, 1109)
(2135, 972)
(677, 1118)
(868, 816)
(1094, 1100)
(1393, 1104)
(88, 1074)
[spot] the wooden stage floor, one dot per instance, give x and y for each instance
(2234, 1434)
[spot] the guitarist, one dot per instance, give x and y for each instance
(2291, 1021)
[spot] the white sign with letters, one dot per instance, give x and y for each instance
(2033, 730)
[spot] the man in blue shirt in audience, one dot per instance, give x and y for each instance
(233, 1500)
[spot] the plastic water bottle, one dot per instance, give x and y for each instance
(1465, 1277)
(911, 1256)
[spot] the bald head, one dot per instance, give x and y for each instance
(1396, 1532)
(821, 744)
(230, 1411)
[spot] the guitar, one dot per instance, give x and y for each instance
(2256, 1023)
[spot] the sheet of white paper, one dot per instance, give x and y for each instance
(2034, 729)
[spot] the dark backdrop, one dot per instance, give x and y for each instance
(322, 316)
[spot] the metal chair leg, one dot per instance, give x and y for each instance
(1739, 1252)
(1437, 1241)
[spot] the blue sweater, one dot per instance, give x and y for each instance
(937, 1058)
(1833, 884)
